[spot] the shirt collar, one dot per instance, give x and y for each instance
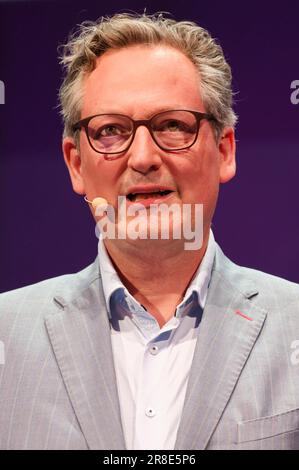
(199, 283)
(201, 279)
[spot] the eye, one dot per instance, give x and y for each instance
(172, 125)
(108, 131)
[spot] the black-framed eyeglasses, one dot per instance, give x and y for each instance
(171, 130)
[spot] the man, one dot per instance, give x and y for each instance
(153, 346)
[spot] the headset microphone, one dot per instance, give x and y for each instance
(97, 202)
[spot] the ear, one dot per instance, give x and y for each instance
(73, 162)
(227, 152)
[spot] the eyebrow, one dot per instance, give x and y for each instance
(146, 115)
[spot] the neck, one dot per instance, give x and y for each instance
(157, 276)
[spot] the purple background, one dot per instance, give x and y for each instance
(47, 230)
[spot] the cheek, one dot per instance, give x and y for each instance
(89, 168)
(197, 175)
(101, 177)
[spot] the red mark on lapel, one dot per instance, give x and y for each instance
(243, 315)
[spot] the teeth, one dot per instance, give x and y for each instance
(145, 196)
(137, 196)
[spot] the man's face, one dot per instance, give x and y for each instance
(140, 81)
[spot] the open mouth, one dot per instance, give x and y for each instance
(135, 197)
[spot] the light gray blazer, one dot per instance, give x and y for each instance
(58, 386)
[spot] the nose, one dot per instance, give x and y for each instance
(144, 155)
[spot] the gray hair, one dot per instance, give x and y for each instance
(121, 30)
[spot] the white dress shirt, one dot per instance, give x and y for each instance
(152, 364)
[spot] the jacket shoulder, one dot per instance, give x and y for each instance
(40, 293)
(271, 289)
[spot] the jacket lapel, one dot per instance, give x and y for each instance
(80, 336)
(230, 326)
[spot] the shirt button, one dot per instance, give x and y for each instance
(150, 412)
(154, 350)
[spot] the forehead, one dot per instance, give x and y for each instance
(141, 80)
